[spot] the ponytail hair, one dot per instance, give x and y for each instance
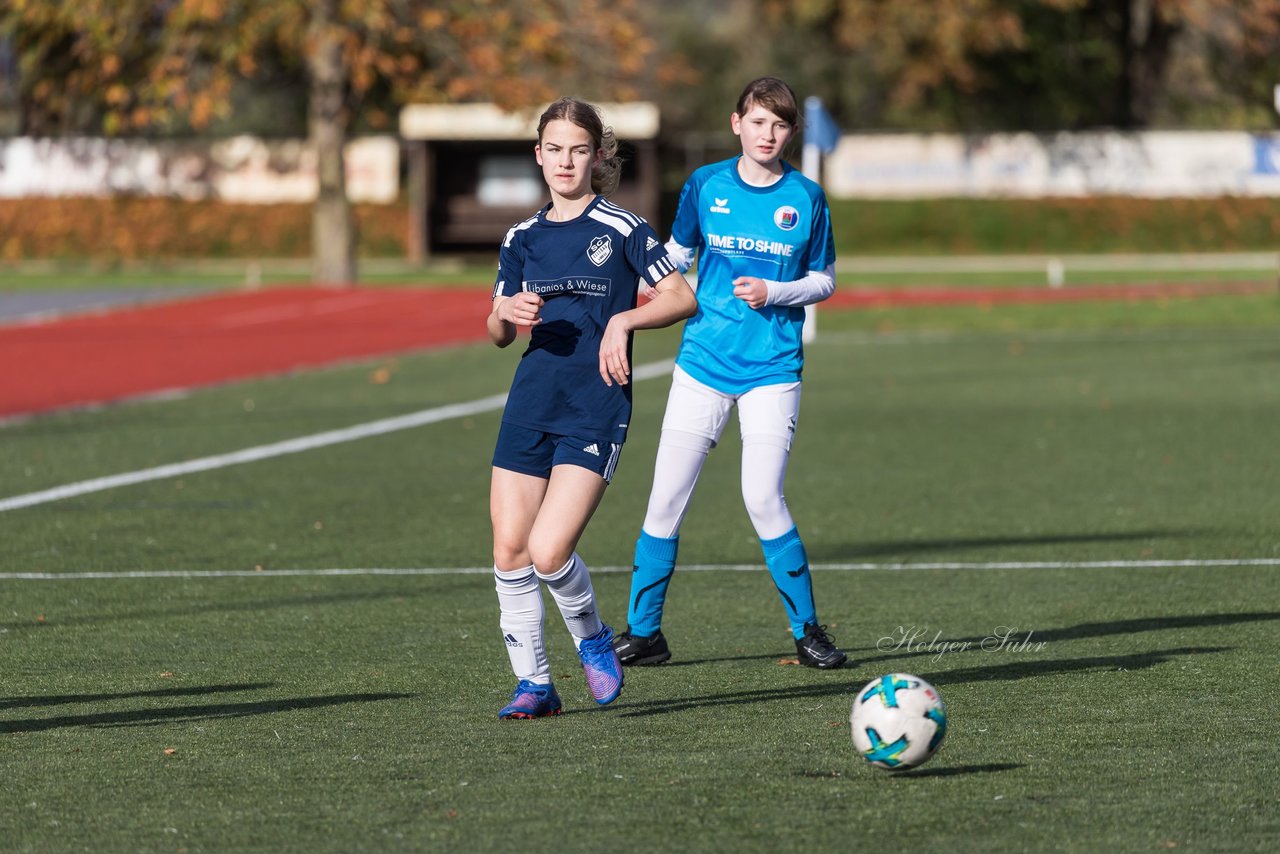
(606, 174)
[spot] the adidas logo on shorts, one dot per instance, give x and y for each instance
(592, 449)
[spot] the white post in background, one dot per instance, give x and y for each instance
(1055, 272)
(811, 158)
(811, 165)
(809, 331)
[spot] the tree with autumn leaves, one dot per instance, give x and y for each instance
(173, 66)
(137, 66)
(975, 65)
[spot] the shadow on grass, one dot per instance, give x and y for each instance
(845, 682)
(852, 551)
(62, 699)
(913, 641)
(1154, 624)
(201, 607)
(841, 688)
(1029, 669)
(680, 662)
(916, 773)
(955, 770)
(904, 644)
(174, 714)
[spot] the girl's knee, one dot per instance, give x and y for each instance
(767, 507)
(507, 556)
(548, 558)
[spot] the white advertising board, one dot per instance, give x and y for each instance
(239, 169)
(1151, 164)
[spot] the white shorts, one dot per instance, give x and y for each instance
(766, 414)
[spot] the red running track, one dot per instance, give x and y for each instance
(92, 359)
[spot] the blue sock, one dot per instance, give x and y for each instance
(650, 576)
(789, 566)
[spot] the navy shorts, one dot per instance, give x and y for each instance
(534, 452)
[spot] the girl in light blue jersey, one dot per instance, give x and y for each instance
(568, 274)
(761, 234)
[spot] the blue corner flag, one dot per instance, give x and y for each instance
(820, 129)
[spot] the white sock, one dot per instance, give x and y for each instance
(570, 586)
(521, 619)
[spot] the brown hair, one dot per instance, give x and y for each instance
(605, 175)
(774, 95)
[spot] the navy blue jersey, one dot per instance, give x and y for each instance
(586, 271)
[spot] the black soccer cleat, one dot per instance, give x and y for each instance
(816, 649)
(639, 650)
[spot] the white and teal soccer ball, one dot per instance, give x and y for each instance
(898, 721)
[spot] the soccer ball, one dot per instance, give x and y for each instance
(898, 721)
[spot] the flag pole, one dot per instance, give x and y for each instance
(811, 166)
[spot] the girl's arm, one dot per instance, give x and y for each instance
(758, 293)
(681, 256)
(673, 301)
(511, 312)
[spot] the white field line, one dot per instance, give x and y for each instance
(288, 446)
(705, 567)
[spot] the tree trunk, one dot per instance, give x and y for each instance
(332, 230)
(1154, 38)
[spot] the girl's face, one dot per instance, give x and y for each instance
(567, 155)
(763, 134)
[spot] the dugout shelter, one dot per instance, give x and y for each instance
(472, 173)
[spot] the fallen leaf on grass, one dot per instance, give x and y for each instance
(787, 662)
(170, 751)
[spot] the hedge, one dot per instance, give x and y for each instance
(131, 229)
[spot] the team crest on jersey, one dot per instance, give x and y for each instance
(786, 217)
(599, 250)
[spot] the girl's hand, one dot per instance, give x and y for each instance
(613, 352)
(521, 309)
(751, 290)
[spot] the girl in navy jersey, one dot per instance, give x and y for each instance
(569, 274)
(761, 232)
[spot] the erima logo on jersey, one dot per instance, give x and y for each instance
(650, 243)
(786, 217)
(599, 250)
(592, 449)
(721, 206)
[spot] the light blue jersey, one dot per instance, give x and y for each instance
(781, 232)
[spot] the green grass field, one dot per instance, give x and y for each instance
(1098, 479)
